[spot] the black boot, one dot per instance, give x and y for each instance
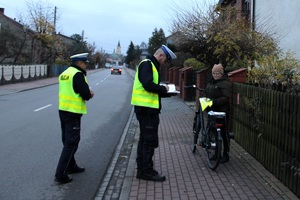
(140, 173)
(225, 158)
(76, 169)
(63, 179)
(153, 175)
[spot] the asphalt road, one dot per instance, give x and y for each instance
(30, 139)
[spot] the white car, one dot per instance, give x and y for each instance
(107, 65)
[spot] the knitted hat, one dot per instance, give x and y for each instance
(218, 68)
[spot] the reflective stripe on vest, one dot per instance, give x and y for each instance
(141, 97)
(68, 99)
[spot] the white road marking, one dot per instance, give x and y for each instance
(42, 107)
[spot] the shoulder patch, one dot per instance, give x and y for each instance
(64, 77)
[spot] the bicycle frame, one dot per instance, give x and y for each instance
(211, 138)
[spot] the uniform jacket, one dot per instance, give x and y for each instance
(80, 86)
(219, 91)
(145, 76)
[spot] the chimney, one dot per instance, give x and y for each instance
(2, 11)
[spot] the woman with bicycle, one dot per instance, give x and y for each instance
(218, 90)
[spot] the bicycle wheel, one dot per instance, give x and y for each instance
(213, 148)
(196, 130)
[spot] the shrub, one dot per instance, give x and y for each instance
(276, 71)
(194, 63)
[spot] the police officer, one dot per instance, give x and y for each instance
(146, 98)
(73, 94)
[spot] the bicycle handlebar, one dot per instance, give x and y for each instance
(189, 86)
(193, 86)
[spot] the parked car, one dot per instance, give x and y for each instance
(116, 70)
(107, 65)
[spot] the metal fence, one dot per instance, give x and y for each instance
(21, 73)
(266, 124)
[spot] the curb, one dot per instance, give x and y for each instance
(110, 171)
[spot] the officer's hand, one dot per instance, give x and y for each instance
(167, 87)
(92, 93)
(172, 94)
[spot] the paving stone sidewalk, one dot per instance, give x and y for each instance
(188, 176)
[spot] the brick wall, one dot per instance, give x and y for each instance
(238, 76)
(185, 79)
(176, 75)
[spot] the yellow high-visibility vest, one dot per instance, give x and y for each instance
(141, 97)
(68, 99)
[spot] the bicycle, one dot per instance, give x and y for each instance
(211, 138)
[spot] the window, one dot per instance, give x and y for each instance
(246, 7)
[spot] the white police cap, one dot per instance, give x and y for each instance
(170, 55)
(80, 57)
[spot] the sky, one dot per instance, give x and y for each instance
(107, 22)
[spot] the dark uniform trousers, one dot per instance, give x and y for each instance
(70, 126)
(148, 140)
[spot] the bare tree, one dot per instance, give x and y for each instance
(41, 19)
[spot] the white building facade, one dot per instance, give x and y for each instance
(282, 17)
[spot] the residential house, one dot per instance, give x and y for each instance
(18, 43)
(174, 39)
(63, 45)
(277, 16)
(282, 17)
(144, 49)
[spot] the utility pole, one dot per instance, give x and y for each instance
(53, 50)
(82, 40)
(54, 24)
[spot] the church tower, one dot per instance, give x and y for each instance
(118, 51)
